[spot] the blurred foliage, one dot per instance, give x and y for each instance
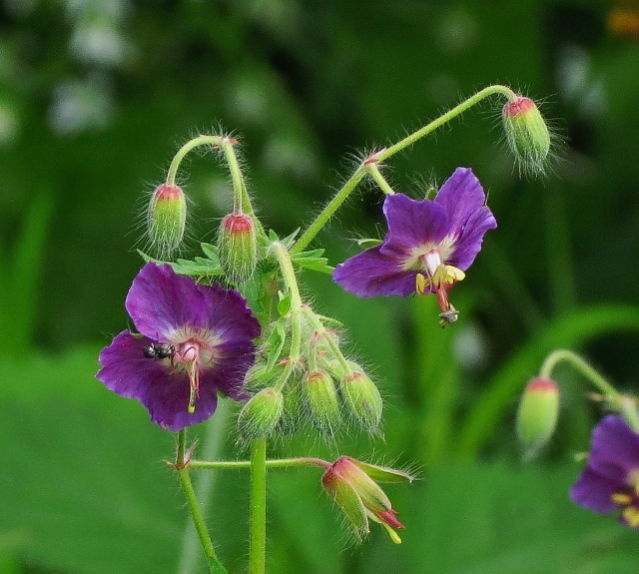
(95, 96)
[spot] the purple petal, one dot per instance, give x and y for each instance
(161, 301)
(461, 196)
(469, 242)
(594, 491)
(373, 273)
(232, 361)
(227, 314)
(413, 223)
(615, 448)
(163, 391)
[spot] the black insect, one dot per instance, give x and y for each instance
(159, 351)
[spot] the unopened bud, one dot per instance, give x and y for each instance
(527, 134)
(322, 400)
(260, 414)
(537, 415)
(237, 246)
(166, 218)
(363, 398)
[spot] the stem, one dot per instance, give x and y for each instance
(625, 405)
(187, 486)
(288, 274)
(315, 227)
(186, 148)
(274, 463)
(441, 120)
(373, 170)
(257, 548)
(204, 486)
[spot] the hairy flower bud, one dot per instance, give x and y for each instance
(363, 398)
(237, 246)
(166, 218)
(322, 400)
(537, 415)
(527, 134)
(260, 414)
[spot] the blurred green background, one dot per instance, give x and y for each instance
(96, 96)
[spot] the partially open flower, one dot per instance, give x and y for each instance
(194, 341)
(428, 246)
(610, 481)
(352, 484)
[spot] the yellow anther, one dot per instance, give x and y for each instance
(621, 499)
(631, 516)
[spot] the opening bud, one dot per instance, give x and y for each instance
(537, 415)
(352, 484)
(237, 246)
(527, 134)
(322, 400)
(363, 398)
(166, 218)
(260, 414)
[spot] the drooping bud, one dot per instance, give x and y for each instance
(363, 398)
(166, 218)
(260, 414)
(237, 246)
(322, 400)
(537, 415)
(527, 134)
(351, 483)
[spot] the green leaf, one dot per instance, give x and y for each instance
(313, 261)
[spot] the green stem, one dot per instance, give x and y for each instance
(613, 396)
(441, 120)
(373, 170)
(185, 149)
(187, 486)
(320, 221)
(257, 548)
(273, 463)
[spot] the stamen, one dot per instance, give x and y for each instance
(621, 498)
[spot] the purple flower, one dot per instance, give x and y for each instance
(194, 341)
(610, 481)
(428, 246)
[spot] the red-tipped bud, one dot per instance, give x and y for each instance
(237, 246)
(527, 134)
(166, 218)
(363, 398)
(322, 400)
(259, 417)
(352, 484)
(537, 415)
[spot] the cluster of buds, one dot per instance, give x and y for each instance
(320, 386)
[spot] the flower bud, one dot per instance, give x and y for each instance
(351, 483)
(363, 398)
(527, 134)
(166, 218)
(322, 400)
(261, 413)
(237, 246)
(537, 415)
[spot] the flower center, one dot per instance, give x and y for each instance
(438, 278)
(192, 355)
(627, 499)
